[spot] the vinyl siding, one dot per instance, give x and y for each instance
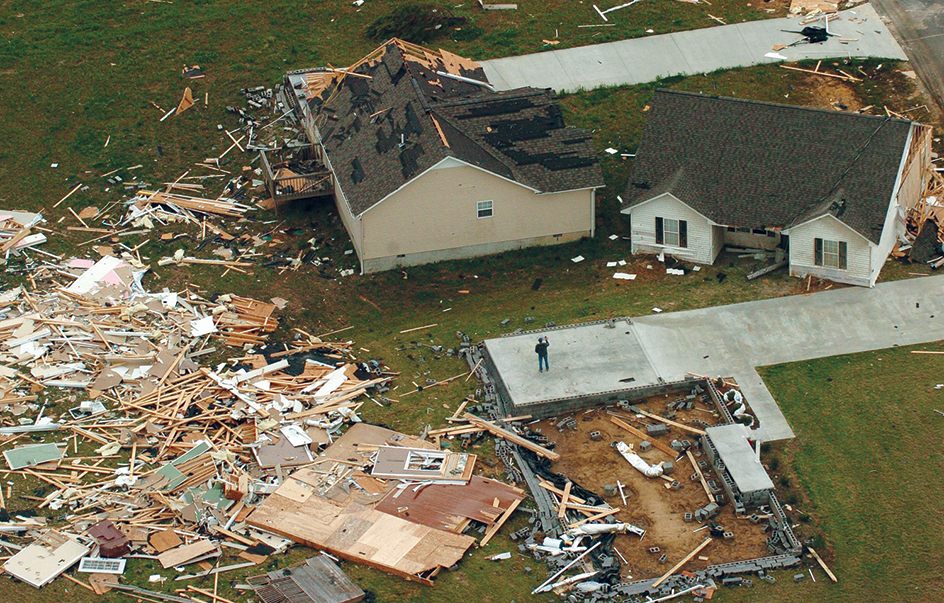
(908, 188)
(434, 218)
(352, 224)
(858, 258)
(700, 250)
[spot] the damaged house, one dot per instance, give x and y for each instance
(429, 163)
(831, 189)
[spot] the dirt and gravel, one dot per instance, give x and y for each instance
(649, 503)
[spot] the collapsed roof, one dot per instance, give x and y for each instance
(402, 109)
(763, 165)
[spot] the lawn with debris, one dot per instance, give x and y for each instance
(86, 98)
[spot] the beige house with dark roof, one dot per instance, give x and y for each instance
(429, 163)
(831, 189)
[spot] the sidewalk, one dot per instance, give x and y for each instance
(643, 60)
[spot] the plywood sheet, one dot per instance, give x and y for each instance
(184, 554)
(358, 533)
(165, 540)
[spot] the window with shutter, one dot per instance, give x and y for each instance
(683, 233)
(830, 254)
(659, 232)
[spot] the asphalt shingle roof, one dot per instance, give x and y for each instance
(763, 165)
(382, 130)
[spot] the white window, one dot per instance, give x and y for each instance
(671, 230)
(484, 209)
(830, 254)
(673, 233)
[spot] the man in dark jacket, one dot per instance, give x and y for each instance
(541, 350)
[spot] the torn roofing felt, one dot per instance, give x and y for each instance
(763, 165)
(393, 115)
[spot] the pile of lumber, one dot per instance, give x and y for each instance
(106, 411)
(926, 217)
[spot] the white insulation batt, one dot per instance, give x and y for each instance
(636, 461)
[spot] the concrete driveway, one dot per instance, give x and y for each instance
(698, 51)
(732, 340)
(919, 27)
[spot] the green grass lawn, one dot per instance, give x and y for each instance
(866, 464)
(380, 306)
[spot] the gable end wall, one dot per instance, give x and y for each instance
(700, 250)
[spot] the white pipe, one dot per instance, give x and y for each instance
(543, 587)
(467, 80)
(678, 594)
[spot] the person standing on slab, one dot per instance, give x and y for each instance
(541, 350)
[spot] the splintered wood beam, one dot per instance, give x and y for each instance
(501, 521)
(681, 563)
(639, 434)
(823, 565)
(562, 510)
(701, 476)
(672, 423)
(596, 517)
(512, 437)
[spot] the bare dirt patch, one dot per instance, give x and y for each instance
(650, 504)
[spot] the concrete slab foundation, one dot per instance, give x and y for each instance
(589, 360)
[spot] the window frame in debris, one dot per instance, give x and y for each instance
(485, 209)
(829, 253)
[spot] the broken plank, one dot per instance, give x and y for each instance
(681, 563)
(512, 437)
(823, 565)
(673, 423)
(501, 521)
(639, 434)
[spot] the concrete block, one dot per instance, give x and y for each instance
(663, 558)
(505, 322)
(596, 436)
(609, 490)
(657, 429)
(799, 577)
(668, 468)
(645, 445)
(677, 446)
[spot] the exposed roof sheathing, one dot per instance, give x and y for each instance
(393, 114)
(762, 165)
(355, 532)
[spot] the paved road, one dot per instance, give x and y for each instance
(698, 51)
(919, 27)
(732, 340)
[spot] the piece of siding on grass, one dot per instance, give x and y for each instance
(41, 562)
(28, 456)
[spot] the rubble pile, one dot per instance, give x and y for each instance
(140, 447)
